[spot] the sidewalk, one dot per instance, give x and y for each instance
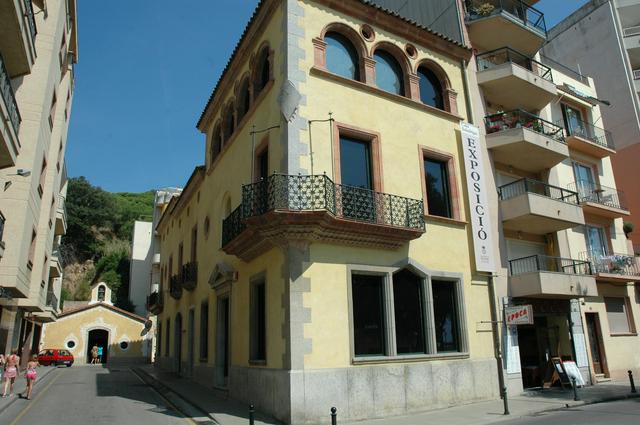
(230, 412)
(20, 385)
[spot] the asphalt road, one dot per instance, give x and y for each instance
(625, 412)
(85, 395)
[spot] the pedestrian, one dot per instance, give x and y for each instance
(10, 372)
(100, 354)
(31, 375)
(2, 362)
(94, 354)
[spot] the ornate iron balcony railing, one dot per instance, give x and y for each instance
(190, 276)
(523, 119)
(612, 263)
(504, 55)
(526, 185)
(596, 193)
(9, 97)
(281, 192)
(175, 287)
(527, 15)
(545, 263)
(590, 132)
(154, 302)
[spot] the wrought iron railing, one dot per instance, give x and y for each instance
(522, 119)
(546, 263)
(578, 128)
(190, 276)
(631, 31)
(31, 19)
(596, 193)
(9, 97)
(175, 287)
(517, 9)
(526, 185)
(319, 193)
(504, 55)
(622, 264)
(52, 300)
(154, 302)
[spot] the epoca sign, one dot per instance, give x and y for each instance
(480, 218)
(518, 315)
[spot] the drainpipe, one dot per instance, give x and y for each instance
(465, 86)
(495, 330)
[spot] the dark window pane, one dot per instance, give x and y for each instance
(388, 73)
(368, 315)
(355, 163)
(167, 339)
(437, 183)
(263, 164)
(342, 58)
(445, 316)
(204, 331)
(408, 307)
(258, 322)
(430, 88)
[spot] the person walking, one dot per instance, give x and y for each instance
(94, 354)
(2, 362)
(10, 372)
(100, 354)
(31, 375)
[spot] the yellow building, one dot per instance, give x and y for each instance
(321, 256)
(124, 337)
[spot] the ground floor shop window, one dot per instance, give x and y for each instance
(204, 331)
(618, 315)
(408, 305)
(258, 322)
(445, 316)
(368, 315)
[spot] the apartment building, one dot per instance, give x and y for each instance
(602, 40)
(321, 254)
(38, 49)
(560, 217)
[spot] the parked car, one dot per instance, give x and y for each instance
(55, 357)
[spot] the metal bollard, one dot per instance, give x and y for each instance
(505, 401)
(252, 411)
(575, 389)
(334, 416)
(633, 385)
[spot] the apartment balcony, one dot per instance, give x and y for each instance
(525, 141)
(600, 200)
(156, 259)
(61, 217)
(155, 305)
(175, 287)
(18, 36)
(613, 268)
(55, 263)
(589, 139)
(636, 80)
(51, 309)
(52, 301)
(530, 206)
(314, 208)
(542, 276)
(190, 276)
(512, 80)
(495, 23)
(631, 39)
(10, 117)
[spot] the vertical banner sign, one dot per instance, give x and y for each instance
(476, 186)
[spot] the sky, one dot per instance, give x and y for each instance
(145, 71)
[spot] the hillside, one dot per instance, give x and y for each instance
(98, 240)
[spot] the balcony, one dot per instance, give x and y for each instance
(631, 37)
(18, 36)
(613, 268)
(512, 80)
(314, 208)
(10, 116)
(636, 80)
(600, 200)
(61, 217)
(190, 276)
(155, 304)
(542, 276)
(156, 259)
(52, 301)
(55, 263)
(589, 139)
(175, 287)
(530, 206)
(525, 141)
(495, 23)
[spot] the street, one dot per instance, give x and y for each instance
(92, 395)
(625, 412)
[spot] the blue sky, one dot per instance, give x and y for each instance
(146, 69)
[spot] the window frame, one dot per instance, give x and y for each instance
(347, 43)
(254, 355)
(628, 313)
(455, 200)
(401, 72)
(373, 138)
(204, 332)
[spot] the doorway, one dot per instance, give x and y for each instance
(177, 340)
(222, 343)
(100, 339)
(598, 359)
(191, 342)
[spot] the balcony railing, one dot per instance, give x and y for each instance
(622, 264)
(590, 132)
(9, 97)
(154, 302)
(175, 287)
(631, 31)
(304, 193)
(598, 194)
(504, 55)
(526, 185)
(525, 14)
(31, 20)
(52, 300)
(190, 276)
(545, 263)
(522, 119)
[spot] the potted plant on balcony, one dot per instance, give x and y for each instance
(482, 9)
(628, 228)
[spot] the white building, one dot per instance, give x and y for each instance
(140, 268)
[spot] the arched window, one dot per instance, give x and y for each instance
(229, 125)
(388, 73)
(342, 57)
(101, 292)
(244, 99)
(262, 72)
(216, 143)
(431, 92)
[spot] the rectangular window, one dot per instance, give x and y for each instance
(52, 111)
(437, 188)
(408, 306)
(355, 163)
(263, 165)
(180, 259)
(204, 331)
(368, 315)
(258, 322)
(32, 249)
(445, 316)
(159, 340)
(618, 315)
(194, 244)
(43, 176)
(167, 339)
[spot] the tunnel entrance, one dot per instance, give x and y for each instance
(98, 338)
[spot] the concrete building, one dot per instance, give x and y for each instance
(560, 217)
(140, 265)
(602, 40)
(38, 47)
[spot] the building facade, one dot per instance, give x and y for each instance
(140, 265)
(38, 44)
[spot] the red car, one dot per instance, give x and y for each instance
(55, 357)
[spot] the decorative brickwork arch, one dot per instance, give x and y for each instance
(243, 97)
(215, 143)
(261, 69)
(352, 35)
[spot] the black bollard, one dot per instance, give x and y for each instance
(633, 385)
(334, 416)
(505, 401)
(252, 411)
(575, 389)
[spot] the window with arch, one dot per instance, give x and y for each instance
(216, 142)
(431, 90)
(389, 75)
(229, 125)
(341, 56)
(262, 72)
(101, 292)
(244, 99)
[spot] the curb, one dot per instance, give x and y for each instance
(13, 399)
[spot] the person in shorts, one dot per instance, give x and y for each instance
(31, 375)
(10, 372)
(94, 354)
(100, 354)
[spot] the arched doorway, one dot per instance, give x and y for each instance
(99, 338)
(178, 344)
